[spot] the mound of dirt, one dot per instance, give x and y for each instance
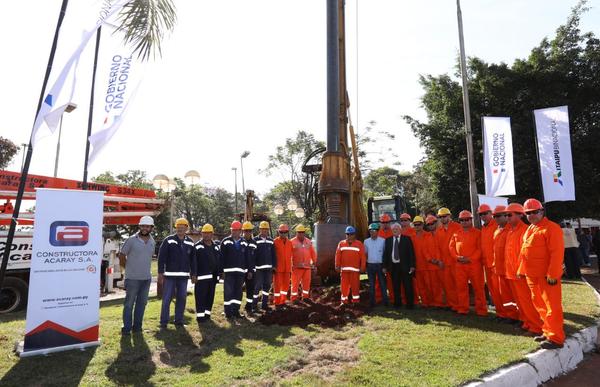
(323, 308)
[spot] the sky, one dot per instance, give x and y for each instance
(240, 75)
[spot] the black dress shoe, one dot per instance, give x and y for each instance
(550, 345)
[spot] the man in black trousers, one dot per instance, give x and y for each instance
(399, 259)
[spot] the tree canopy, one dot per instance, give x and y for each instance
(560, 71)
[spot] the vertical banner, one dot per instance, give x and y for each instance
(554, 150)
(498, 163)
(119, 75)
(492, 201)
(63, 304)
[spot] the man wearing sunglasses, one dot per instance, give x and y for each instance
(506, 308)
(442, 236)
(465, 248)
(532, 322)
(542, 252)
(487, 252)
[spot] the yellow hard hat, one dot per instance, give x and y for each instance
(418, 219)
(300, 228)
(444, 211)
(264, 224)
(247, 226)
(207, 228)
(182, 222)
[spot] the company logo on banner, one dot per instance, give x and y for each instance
(554, 147)
(67, 250)
(498, 156)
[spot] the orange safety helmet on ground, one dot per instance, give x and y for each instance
(532, 205)
(464, 214)
(483, 208)
(236, 225)
(515, 207)
(499, 210)
(283, 228)
(385, 218)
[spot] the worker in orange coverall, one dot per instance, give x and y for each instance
(283, 271)
(304, 259)
(350, 261)
(542, 256)
(506, 307)
(465, 249)
(442, 235)
(426, 253)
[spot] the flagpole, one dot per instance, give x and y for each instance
(91, 113)
(25, 169)
(467, 114)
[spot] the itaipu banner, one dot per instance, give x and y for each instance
(63, 306)
(498, 157)
(554, 148)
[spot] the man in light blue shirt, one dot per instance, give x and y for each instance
(374, 247)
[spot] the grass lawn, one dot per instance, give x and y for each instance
(154, 267)
(388, 347)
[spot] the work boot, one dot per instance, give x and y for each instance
(540, 338)
(550, 345)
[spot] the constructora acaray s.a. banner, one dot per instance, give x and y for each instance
(63, 303)
(498, 156)
(554, 147)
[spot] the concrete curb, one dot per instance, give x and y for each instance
(543, 365)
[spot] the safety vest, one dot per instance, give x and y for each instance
(303, 253)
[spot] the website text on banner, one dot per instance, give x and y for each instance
(498, 163)
(63, 307)
(554, 147)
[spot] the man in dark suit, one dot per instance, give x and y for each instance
(399, 259)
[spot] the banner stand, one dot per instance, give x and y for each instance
(46, 351)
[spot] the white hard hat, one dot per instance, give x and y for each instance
(146, 221)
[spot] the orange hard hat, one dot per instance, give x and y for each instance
(430, 219)
(283, 228)
(483, 208)
(515, 207)
(499, 209)
(385, 218)
(464, 214)
(235, 225)
(532, 205)
(405, 216)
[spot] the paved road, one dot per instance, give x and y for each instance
(588, 371)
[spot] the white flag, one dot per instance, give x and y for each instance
(119, 75)
(554, 147)
(492, 201)
(86, 16)
(498, 163)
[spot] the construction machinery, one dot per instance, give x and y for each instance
(122, 206)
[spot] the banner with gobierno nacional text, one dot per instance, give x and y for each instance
(554, 148)
(63, 303)
(498, 163)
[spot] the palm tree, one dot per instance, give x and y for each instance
(144, 23)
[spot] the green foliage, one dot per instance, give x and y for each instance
(561, 71)
(8, 150)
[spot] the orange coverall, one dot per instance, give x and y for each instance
(427, 273)
(520, 290)
(442, 236)
(468, 244)
(283, 271)
(487, 253)
(506, 306)
(388, 276)
(303, 257)
(350, 260)
(542, 256)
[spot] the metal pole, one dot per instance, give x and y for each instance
(23, 158)
(91, 113)
(467, 113)
(171, 211)
(333, 77)
(243, 186)
(235, 187)
(25, 168)
(58, 146)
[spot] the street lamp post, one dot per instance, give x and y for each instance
(70, 107)
(235, 188)
(292, 206)
(242, 157)
(165, 184)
